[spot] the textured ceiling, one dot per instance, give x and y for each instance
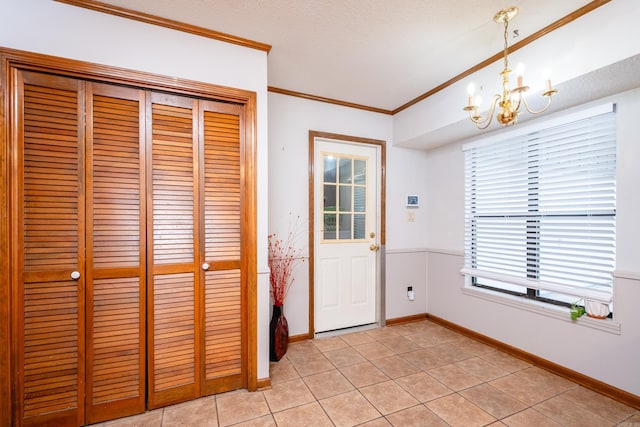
(376, 53)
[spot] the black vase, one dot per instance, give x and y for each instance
(278, 334)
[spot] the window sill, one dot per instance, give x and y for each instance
(560, 313)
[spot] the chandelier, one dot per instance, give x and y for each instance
(511, 99)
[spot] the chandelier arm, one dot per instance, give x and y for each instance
(483, 123)
(545, 108)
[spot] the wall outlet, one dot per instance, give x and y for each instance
(410, 294)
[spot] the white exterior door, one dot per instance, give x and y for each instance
(346, 225)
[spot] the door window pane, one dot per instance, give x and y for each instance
(359, 172)
(345, 171)
(345, 198)
(330, 198)
(359, 199)
(329, 226)
(344, 227)
(329, 169)
(359, 226)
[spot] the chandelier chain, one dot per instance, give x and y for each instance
(506, 46)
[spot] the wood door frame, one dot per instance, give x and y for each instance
(383, 204)
(10, 61)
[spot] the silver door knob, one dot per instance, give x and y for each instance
(75, 275)
(205, 266)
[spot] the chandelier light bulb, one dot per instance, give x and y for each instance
(520, 73)
(546, 75)
(470, 91)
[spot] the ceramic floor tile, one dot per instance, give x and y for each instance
(388, 397)
(416, 416)
(312, 364)
(287, 395)
(344, 357)
(423, 386)
(480, 368)
(395, 366)
(349, 409)
(423, 359)
(434, 336)
(382, 333)
(529, 417)
(238, 407)
(301, 350)
(199, 412)
(632, 421)
(148, 419)
(603, 406)
(413, 327)
(363, 374)
(450, 353)
(330, 343)
(453, 377)
(505, 361)
(264, 421)
(493, 401)
(328, 384)
(532, 385)
(374, 350)
(378, 422)
(311, 415)
(400, 344)
(282, 371)
(457, 411)
(357, 338)
(474, 347)
(570, 414)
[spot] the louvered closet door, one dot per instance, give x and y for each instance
(116, 280)
(173, 284)
(49, 306)
(224, 331)
(197, 339)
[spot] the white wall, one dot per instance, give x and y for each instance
(52, 28)
(290, 120)
(607, 354)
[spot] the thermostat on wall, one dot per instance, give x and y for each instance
(412, 201)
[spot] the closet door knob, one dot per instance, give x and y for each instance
(205, 266)
(75, 275)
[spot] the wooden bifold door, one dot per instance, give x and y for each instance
(127, 291)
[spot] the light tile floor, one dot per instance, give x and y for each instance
(415, 374)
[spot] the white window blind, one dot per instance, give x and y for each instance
(540, 208)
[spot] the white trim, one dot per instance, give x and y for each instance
(591, 294)
(406, 251)
(544, 309)
(451, 252)
(553, 120)
(626, 275)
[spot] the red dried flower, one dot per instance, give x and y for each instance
(283, 257)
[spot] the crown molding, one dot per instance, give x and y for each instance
(327, 100)
(167, 23)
